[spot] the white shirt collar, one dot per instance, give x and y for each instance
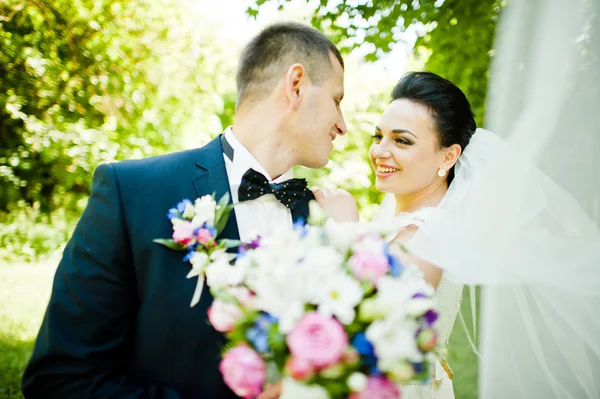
(244, 160)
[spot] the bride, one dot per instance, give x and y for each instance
(520, 218)
(421, 136)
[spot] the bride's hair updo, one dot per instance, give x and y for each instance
(447, 104)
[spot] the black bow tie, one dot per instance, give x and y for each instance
(255, 185)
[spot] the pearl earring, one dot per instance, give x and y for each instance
(441, 172)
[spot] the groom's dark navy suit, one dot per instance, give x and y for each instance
(119, 322)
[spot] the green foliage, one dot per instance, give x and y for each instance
(26, 234)
(458, 34)
(92, 81)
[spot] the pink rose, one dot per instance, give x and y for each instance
(183, 233)
(243, 371)
(321, 340)
(223, 315)
(299, 369)
(369, 266)
(378, 387)
(203, 236)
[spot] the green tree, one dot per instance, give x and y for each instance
(458, 34)
(91, 81)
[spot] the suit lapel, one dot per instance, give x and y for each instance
(213, 179)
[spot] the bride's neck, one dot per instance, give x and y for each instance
(429, 197)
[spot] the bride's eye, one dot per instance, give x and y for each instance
(402, 140)
(376, 136)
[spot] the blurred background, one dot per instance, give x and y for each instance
(89, 81)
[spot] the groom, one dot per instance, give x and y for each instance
(119, 322)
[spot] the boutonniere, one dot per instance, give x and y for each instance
(196, 227)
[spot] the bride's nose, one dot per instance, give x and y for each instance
(381, 151)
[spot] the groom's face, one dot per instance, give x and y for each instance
(319, 120)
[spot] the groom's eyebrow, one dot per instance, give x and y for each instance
(398, 131)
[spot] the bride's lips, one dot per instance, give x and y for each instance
(384, 171)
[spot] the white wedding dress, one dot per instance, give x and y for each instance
(449, 297)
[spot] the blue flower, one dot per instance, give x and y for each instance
(363, 345)
(374, 370)
(188, 256)
(181, 206)
(395, 266)
(266, 320)
(418, 367)
(258, 335)
(300, 225)
(258, 338)
(173, 213)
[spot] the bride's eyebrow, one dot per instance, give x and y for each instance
(397, 131)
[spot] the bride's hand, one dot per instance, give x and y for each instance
(431, 273)
(271, 392)
(338, 204)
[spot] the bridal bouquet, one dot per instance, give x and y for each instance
(327, 309)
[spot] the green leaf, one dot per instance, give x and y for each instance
(227, 243)
(221, 222)
(169, 243)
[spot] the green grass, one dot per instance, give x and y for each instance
(461, 357)
(24, 293)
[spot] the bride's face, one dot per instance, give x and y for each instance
(406, 153)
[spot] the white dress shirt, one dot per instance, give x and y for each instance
(262, 214)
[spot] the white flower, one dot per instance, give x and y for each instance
(292, 389)
(189, 211)
(357, 382)
(278, 282)
(320, 264)
(204, 208)
(221, 274)
(394, 341)
(198, 261)
(339, 296)
(419, 306)
(369, 243)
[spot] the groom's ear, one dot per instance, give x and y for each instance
(295, 81)
(451, 155)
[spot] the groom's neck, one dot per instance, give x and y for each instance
(262, 136)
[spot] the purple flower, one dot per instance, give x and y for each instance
(242, 249)
(430, 317)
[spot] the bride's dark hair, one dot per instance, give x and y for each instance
(448, 105)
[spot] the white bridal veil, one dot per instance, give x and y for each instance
(522, 216)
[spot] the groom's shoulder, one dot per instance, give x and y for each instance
(171, 163)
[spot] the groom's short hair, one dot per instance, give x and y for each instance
(276, 48)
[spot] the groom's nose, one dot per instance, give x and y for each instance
(340, 126)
